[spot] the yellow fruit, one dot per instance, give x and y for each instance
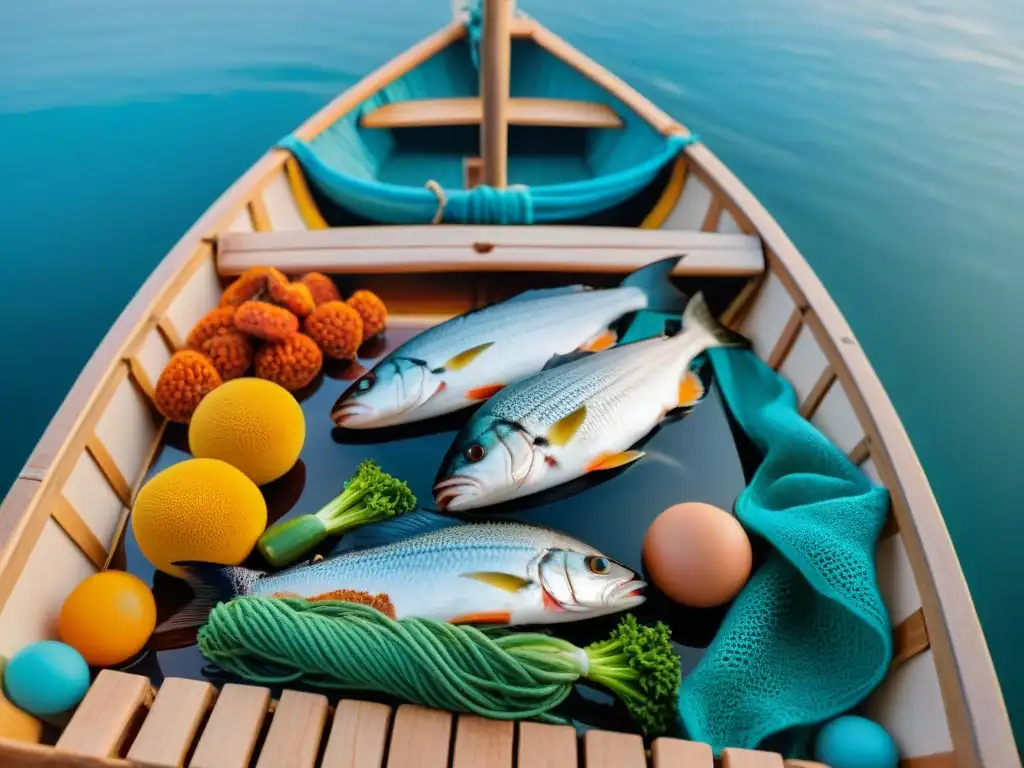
(252, 424)
(199, 509)
(108, 617)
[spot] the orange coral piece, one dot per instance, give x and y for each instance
(186, 379)
(265, 321)
(249, 286)
(321, 287)
(231, 353)
(292, 363)
(295, 297)
(213, 323)
(337, 328)
(372, 310)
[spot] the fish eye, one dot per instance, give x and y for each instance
(366, 383)
(474, 452)
(598, 565)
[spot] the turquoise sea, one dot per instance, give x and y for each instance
(884, 135)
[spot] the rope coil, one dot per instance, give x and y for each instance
(494, 674)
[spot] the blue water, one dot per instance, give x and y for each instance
(884, 135)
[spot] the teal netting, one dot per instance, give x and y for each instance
(808, 638)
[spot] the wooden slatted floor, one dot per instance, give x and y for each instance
(121, 723)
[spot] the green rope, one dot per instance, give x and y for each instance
(342, 645)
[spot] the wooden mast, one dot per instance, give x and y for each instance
(495, 69)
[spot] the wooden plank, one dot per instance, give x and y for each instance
(495, 75)
(909, 638)
(296, 729)
(546, 746)
(714, 213)
(109, 468)
(170, 333)
(373, 82)
(67, 517)
(675, 753)
(259, 213)
(861, 451)
(803, 764)
(750, 758)
(14, 754)
(439, 260)
(483, 238)
(420, 738)
(101, 723)
(483, 743)
(606, 749)
(563, 113)
(938, 760)
(358, 736)
(230, 735)
(169, 729)
(818, 392)
(141, 377)
(786, 339)
(618, 87)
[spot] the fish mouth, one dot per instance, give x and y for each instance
(345, 411)
(455, 491)
(629, 594)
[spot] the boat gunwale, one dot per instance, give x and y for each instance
(979, 724)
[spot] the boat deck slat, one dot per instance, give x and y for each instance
(358, 735)
(553, 113)
(486, 248)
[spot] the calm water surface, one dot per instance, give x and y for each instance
(884, 135)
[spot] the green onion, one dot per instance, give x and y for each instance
(369, 496)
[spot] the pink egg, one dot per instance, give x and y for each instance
(697, 554)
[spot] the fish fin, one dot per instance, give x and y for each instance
(601, 341)
(697, 319)
(654, 280)
(211, 584)
(556, 360)
(467, 356)
(394, 529)
(543, 293)
(440, 388)
(505, 581)
(613, 460)
(691, 390)
(485, 392)
(561, 431)
(483, 617)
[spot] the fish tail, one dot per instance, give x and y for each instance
(654, 280)
(699, 322)
(211, 584)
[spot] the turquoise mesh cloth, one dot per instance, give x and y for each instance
(808, 637)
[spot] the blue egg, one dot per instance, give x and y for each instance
(855, 742)
(46, 678)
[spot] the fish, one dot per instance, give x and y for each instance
(583, 415)
(468, 359)
(432, 566)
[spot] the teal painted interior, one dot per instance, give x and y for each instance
(380, 174)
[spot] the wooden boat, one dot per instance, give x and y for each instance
(65, 513)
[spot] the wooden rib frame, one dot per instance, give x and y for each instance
(979, 725)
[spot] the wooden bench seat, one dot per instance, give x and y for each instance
(445, 248)
(223, 730)
(562, 113)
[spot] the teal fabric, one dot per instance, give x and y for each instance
(394, 204)
(808, 637)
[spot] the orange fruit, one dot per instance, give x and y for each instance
(108, 617)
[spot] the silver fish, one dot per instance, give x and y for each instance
(578, 417)
(467, 359)
(477, 572)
